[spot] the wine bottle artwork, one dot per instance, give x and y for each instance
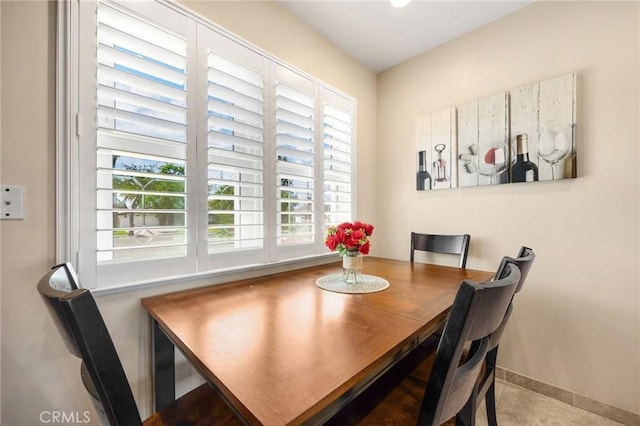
(523, 170)
(423, 178)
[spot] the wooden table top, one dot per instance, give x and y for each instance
(282, 350)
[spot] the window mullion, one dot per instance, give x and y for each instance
(194, 176)
(319, 171)
(270, 155)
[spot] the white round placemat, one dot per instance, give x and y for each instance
(365, 284)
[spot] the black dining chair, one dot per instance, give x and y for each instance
(400, 398)
(85, 335)
(485, 386)
(449, 244)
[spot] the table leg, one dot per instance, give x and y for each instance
(164, 371)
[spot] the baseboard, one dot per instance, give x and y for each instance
(572, 398)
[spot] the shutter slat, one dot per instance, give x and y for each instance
(236, 84)
(241, 71)
(337, 136)
(286, 104)
(295, 119)
(140, 145)
(290, 176)
(139, 27)
(108, 55)
(339, 154)
(233, 113)
(245, 130)
(288, 129)
(114, 37)
(236, 98)
(293, 169)
(171, 94)
(224, 156)
(117, 95)
(218, 139)
(294, 154)
(235, 169)
(293, 142)
(235, 183)
(118, 114)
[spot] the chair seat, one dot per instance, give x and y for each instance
(199, 407)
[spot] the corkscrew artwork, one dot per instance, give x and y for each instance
(440, 165)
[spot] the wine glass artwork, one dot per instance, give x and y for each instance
(494, 160)
(554, 145)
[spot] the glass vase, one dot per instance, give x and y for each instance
(352, 267)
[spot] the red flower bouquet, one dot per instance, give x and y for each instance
(349, 237)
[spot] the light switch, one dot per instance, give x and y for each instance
(12, 202)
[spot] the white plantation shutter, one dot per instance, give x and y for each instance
(196, 151)
(142, 142)
(295, 115)
(235, 146)
(338, 171)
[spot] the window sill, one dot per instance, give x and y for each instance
(221, 276)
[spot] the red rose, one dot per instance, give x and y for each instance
(341, 236)
(345, 225)
(364, 249)
(331, 242)
(357, 235)
(358, 225)
(351, 244)
(368, 229)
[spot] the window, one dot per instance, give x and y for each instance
(194, 151)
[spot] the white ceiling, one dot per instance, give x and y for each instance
(381, 36)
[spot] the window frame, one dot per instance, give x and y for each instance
(70, 181)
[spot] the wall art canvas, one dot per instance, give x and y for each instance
(436, 150)
(543, 122)
(483, 141)
(525, 135)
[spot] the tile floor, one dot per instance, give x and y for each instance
(517, 406)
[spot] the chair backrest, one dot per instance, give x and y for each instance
(449, 244)
(525, 259)
(85, 334)
(477, 312)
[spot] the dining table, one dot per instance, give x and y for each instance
(281, 349)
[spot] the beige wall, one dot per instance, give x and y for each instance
(577, 322)
(37, 372)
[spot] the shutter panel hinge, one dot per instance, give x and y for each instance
(77, 124)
